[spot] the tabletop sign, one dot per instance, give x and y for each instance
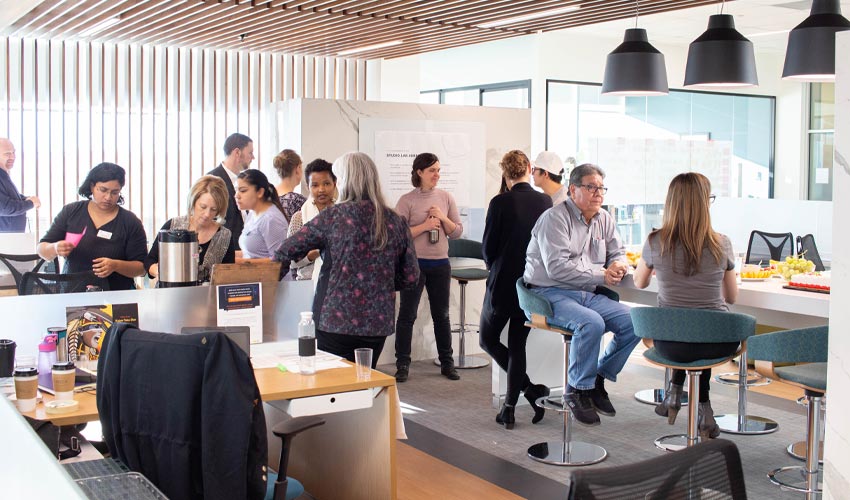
(241, 305)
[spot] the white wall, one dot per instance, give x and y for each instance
(836, 459)
(578, 57)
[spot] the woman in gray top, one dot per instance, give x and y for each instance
(695, 268)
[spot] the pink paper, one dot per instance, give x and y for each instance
(74, 238)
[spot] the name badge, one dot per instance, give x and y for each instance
(104, 234)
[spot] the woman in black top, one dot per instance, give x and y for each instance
(208, 200)
(510, 218)
(113, 243)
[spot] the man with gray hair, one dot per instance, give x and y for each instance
(13, 205)
(575, 250)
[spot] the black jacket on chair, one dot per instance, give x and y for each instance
(510, 218)
(233, 218)
(185, 411)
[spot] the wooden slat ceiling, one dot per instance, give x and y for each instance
(317, 27)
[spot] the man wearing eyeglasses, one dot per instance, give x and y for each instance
(547, 173)
(574, 250)
(13, 205)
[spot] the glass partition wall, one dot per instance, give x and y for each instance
(643, 142)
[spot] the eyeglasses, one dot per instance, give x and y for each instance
(711, 198)
(594, 189)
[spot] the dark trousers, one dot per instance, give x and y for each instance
(344, 345)
(686, 352)
(510, 358)
(437, 281)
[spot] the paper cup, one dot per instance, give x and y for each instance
(63, 380)
(26, 387)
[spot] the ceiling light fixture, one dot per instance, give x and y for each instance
(721, 57)
(528, 17)
(635, 67)
(810, 56)
(101, 26)
(370, 47)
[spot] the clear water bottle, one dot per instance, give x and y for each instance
(307, 344)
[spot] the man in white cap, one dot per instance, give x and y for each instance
(547, 174)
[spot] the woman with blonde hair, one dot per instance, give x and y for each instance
(507, 231)
(208, 202)
(695, 268)
(290, 169)
(368, 255)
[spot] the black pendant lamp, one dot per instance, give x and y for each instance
(721, 57)
(811, 45)
(635, 67)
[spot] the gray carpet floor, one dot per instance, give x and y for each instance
(462, 410)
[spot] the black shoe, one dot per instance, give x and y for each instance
(532, 394)
(599, 398)
(401, 374)
(581, 407)
(449, 372)
(506, 417)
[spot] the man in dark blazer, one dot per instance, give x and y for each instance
(13, 205)
(239, 153)
(510, 218)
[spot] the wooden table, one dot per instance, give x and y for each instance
(351, 456)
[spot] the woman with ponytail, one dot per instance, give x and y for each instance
(266, 226)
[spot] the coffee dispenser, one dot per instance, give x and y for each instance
(178, 258)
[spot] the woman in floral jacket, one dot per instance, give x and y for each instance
(368, 255)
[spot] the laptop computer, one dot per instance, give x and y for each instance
(241, 335)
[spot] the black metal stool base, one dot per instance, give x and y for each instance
(656, 396)
(794, 478)
(573, 453)
(750, 424)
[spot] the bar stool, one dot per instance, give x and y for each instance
(566, 451)
(459, 250)
(798, 449)
(695, 326)
(743, 423)
(809, 346)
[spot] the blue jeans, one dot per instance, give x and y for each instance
(589, 316)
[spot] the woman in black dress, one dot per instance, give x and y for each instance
(104, 237)
(510, 218)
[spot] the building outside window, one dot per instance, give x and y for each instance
(821, 132)
(500, 95)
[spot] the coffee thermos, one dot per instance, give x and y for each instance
(178, 258)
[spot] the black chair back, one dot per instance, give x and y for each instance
(808, 250)
(766, 246)
(44, 284)
(711, 469)
(9, 259)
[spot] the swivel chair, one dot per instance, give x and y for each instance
(708, 470)
(807, 346)
(696, 326)
(566, 451)
(766, 246)
(468, 249)
(807, 248)
(44, 284)
(39, 263)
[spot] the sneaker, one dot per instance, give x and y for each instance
(599, 398)
(449, 372)
(402, 373)
(582, 407)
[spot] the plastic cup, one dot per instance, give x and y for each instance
(26, 387)
(63, 380)
(363, 362)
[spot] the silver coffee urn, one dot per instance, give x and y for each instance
(178, 258)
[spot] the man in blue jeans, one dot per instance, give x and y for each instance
(574, 249)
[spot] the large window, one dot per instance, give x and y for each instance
(501, 95)
(643, 142)
(821, 131)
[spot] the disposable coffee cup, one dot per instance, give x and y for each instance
(26, 386)
(7, 357)
(63, 380)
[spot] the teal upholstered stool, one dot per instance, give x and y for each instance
(461, 251)
(696, 326)
(809, 346)
(566, 451)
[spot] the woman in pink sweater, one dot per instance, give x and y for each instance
(427, 209)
